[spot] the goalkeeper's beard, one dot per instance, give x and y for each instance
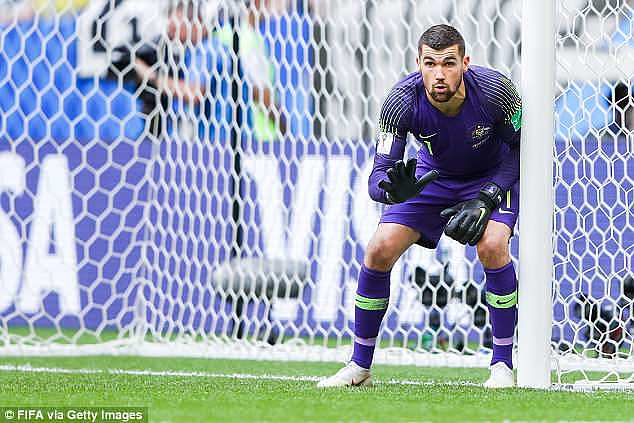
(445, 96)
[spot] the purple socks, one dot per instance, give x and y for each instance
(370, 305)
(501, 295)
(371, 301)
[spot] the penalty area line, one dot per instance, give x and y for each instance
(26, 368)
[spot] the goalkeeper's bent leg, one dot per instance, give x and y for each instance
(373, 290)
(370, 305)
(501, 295)
(501, 289)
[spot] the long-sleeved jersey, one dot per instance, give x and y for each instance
(483, 139)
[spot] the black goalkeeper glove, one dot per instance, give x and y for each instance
(468, 220)
(402, 184)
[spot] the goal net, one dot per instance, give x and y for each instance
(190, 178)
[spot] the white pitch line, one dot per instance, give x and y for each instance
(30, 369)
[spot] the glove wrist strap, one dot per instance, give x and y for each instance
(491, 194)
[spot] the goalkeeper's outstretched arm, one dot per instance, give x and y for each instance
(391, 140)
(392, 180)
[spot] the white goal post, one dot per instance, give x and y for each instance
(536, 194)
(201, 190)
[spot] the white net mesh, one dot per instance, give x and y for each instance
(190, 179)
(594, 289)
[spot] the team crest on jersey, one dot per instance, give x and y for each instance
(480, 134)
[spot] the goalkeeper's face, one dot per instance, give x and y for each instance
(442, 71)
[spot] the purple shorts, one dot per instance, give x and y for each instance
(422, 212)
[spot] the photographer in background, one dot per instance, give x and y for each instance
(182, 77)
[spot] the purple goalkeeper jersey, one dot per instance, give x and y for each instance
(481, 141)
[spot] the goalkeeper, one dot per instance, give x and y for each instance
(465, 182)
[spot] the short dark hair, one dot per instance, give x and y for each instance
(440, 37)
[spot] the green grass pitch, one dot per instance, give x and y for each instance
(200, 390)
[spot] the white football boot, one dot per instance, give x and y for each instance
(350, 375)
(501, 377)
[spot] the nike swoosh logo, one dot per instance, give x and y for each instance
(498, 302)
(426, 137)
(482, 213)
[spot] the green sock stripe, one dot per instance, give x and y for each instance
(502, 301)
(365, 303)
